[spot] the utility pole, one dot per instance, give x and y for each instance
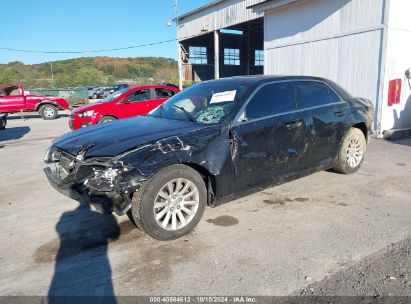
(179, 51)
(180, 62)
(52, 75)
(176, 8)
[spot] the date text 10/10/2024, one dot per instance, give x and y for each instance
(200, 299)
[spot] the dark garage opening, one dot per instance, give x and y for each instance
(240, 52)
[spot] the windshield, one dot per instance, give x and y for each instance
(113, 96)
(207, 103)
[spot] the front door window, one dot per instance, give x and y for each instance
(140, 95)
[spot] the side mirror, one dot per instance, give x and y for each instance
(242, 118)
(126, 100)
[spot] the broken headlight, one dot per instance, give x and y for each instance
(102, 178)
(52, 155)
(110, 174)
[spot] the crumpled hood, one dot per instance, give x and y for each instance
(111, 139)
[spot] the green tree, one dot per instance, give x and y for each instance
(64, 81)
(10, 74)
(89, 76)
(90, 71)
(110, 79)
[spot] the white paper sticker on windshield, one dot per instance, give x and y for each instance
(223, 96)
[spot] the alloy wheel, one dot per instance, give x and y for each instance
(176, 204)
(49, 112)
(355, 152)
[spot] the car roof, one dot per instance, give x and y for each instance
(268, 78)
(259, 79)
(153, 86)
(256, 80)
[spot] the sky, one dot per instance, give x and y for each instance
(76, 25)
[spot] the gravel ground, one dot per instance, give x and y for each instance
(385, 273)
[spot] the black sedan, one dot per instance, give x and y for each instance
(209, 144)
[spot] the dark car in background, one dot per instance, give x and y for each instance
(90, 91)
(117, 87)
(108, 91)
(120, 86)
(209, 143)
(95, 92)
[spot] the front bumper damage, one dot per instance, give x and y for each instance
(105, 184)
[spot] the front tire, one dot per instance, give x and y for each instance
(352, 150)
(48, 112)
(171, 203)
(106, 119)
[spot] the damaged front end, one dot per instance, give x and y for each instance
(103, 182)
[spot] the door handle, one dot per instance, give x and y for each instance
(339, 113)
(293, 124)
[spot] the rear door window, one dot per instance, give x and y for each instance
(164, 93)
(271, 99)
(312, 94)
(334, 97)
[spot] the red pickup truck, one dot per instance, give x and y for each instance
(14, 99)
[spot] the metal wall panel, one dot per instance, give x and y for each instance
(223, 14)
(320, 19)
(352, 61)
(339, 40)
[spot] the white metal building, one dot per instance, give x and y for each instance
(364, 45)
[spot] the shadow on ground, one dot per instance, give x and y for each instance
(31, 116)
(404, 141)
(13, 133)
(82, 267)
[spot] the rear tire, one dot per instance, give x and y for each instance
(170, 204)
(48, 112)
(352, 150)
(106, 119)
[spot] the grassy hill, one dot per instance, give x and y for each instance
(89, 71)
